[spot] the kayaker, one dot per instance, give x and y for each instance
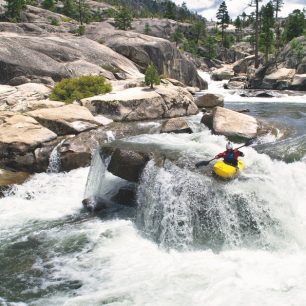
(230, 155)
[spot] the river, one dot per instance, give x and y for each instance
(193, 240)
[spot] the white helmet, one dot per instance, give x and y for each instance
(229, 146)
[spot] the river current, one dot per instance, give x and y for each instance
(192, 241)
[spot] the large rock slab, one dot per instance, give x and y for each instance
(64, 120)
(278, 77)
(139, 103)
(25, 97)
(19, 137)
(143, 49)
(58, 56)
(21, 133)
(233, 124)
(210, 100)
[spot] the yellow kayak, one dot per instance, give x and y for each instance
(226, 171)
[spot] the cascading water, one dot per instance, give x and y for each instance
(196, 240)
(54, 159)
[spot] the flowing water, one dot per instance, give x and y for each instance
(194, 240)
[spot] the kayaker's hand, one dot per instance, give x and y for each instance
(242, 154)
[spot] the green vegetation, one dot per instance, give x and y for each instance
(177, 36)
(69, 90)
(224, 19)
(13, 9)
(295, 25)
(267, 34)
(298, 50)
(111, 68)
(54, 22)
(123, 19)
(151, 76)
(48, 5)
(147, 29)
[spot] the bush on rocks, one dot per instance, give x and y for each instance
(69, 90)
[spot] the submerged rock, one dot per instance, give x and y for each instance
(9, 178)
(175, 125)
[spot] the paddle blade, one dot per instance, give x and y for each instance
(202, 163)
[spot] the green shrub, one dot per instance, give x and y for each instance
(151, 76)
(111, 68)
(81, 30)
(54, 22)
(69, 90)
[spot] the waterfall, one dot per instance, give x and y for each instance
(54, 159)
(181, 209)
(96, 176)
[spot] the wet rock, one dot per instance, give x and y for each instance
(175, 125)
(96, 204)
(236, 83)
(259, 93)
(272, 80)
(68, 119)
(9, 178)
(207, 119)
(232, 124)
(210, 100)
(127, 164)
(126, 196)
(299, 82)
(224, 73)
(136, 104)
(242, 66)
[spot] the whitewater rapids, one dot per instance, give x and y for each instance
(53, 252)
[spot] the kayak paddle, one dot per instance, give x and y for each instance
(206, 162)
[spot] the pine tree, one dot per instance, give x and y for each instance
(69, 8)
(238, 25)
(198, 30)
(267, 34)
(223, 17)
(211, 47)
(152, 76)
(277, 4)
(147, 29)
(177, 36)
(14, 9)
(255, 3)
(170, 12)
(48, 5)
(295, 25)
(123, 19)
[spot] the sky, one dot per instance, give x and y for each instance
(208, 8)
